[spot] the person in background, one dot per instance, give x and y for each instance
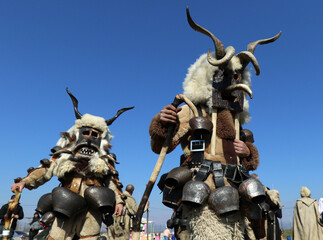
(122, 225)
(35, 226)
(17, 214)
(306, 220)
(166, 233)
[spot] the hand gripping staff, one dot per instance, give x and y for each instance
(8, 219)
(180, 98)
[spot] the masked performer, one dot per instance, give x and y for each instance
(90, 190)
(213, 174)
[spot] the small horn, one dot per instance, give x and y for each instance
(78, 115)
(239, 86)
(219, 48)
(110, 121)
(252, 46)
(246, 57)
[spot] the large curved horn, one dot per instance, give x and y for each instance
(78, 115)
(110, 121)
(229, 54)
(219, 48)
(246, 57)
(252, 46)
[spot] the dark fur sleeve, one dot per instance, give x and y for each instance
(251, 163)
(158, 133)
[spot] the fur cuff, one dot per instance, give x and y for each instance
(251, 163)
(156, 129)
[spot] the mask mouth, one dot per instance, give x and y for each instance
(85, 150)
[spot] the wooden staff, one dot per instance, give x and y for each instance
(11, 207)
(137, 220)
(213, 138)
(237, 128)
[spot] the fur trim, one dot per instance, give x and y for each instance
(204, 224)
(198, 83)
(62, 165)
(98, 166)
(156, 128)
(252, 162)
(99, 123)
(273, 195)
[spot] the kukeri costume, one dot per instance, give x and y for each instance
(89, 189)
(206, 189)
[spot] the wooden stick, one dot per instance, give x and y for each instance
(213, 138)
(137, 220)
(237, 128)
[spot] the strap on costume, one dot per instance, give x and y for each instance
(208, 167)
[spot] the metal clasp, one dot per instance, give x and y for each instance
(197, 145)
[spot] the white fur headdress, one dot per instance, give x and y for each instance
(98, 123)
(197, 85)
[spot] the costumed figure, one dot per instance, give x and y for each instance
(306, 220)
(122, 225)
(212, 182)
(90, 191)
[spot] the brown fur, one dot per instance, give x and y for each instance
(225, 126)
(252, 162)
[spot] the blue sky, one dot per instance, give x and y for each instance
(114, 54)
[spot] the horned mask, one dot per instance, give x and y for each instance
(89, 137)
(226, 78)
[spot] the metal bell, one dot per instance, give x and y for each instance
(224, 201)
(252, 190)
(195, 193)
(201, 125)
(172, 197)
(47, 219)
(67, 203)
(45, 204)
(101, 198)
(177, 177)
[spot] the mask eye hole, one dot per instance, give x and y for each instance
(86, 133)
(236, 76)
(94, 134)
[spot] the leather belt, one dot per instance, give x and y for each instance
(234, 173)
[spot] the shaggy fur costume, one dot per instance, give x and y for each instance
(203, 222)
(63, 163)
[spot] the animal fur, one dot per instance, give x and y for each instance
(204, 224)
(198, 83)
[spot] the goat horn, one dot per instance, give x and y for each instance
(110, 121)
(78, 115)
(252, 46)
(229, 54)
(246, 57)
(219, 48)
(239, 86)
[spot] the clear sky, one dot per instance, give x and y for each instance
(114, 54)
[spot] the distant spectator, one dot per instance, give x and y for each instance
(157, 236)
(18, 213)
(306, 220)
(35, 226)
(167, 233)
(122, 225)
